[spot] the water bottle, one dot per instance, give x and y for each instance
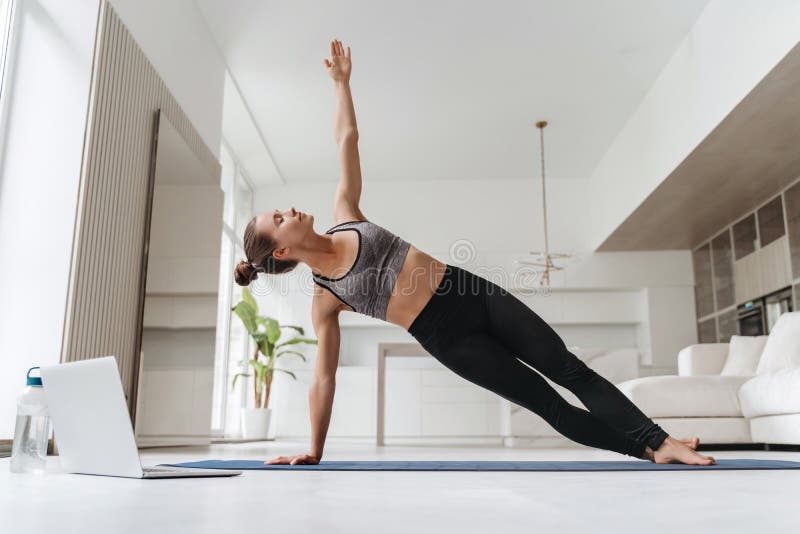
(29, 451)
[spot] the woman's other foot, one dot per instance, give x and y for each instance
(692, 443)
(675, 451)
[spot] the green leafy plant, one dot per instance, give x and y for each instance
(267, 334)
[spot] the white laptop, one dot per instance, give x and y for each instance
(92, 426)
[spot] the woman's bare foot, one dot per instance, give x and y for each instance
(674, 451)
(692, 443)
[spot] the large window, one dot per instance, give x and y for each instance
(6, 18)
(6, 11)
(233, 343)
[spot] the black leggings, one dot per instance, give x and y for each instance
(478, 329)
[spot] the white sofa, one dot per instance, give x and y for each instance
(522, 427)
(705, 400)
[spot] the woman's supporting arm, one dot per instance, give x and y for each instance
(325, 318)
(320, 401)
(323, 386)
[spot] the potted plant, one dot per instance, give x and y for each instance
(267, 334)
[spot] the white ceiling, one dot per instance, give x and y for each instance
(445, 89)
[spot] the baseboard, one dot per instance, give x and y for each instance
(529, 442)
(143, 442)
(482, 441)
(461, 441)
(234, 439)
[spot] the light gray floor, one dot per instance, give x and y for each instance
(643, 502)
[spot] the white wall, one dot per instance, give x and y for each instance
(185, 233)
(176, 40)
(48, 89)
(668, 324)
(43, 148)
(177, 377)
(728, 51)
(493, 214)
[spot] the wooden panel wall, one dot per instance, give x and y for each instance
(103, 310)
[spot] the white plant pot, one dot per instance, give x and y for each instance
(255, 423)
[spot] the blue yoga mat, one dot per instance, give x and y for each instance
(483, 465)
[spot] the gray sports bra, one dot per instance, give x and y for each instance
(367, 286)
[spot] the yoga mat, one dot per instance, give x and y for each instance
(485, 465)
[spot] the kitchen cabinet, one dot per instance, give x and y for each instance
(707, 331)
(722, 257)
(792, 199)
(727, 325)
(756, 256)
(428, 401)
(773, 266)
(704, 294)
(744, 237)
(796, 302)
(770, 221)
(746, 272)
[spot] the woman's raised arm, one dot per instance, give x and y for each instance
(348, 193)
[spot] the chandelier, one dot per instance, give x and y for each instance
(544, 259)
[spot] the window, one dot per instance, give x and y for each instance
(6, 18)
(233, 342)
(6, 12)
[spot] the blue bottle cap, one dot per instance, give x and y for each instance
(33, 380)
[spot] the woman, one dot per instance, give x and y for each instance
(473, 326)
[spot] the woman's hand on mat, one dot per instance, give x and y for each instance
(294, 460)
(338, 65)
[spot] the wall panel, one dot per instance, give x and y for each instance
(106, 276)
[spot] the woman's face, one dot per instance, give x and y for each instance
(288, 228)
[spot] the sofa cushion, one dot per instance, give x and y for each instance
(782, 350)
(744, 354)
(686, 396)
(774, 393)
(702, 359)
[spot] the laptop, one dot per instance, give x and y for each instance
(92, 426)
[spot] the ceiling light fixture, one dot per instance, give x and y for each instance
(544, 259)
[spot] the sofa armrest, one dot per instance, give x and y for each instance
(702, 359)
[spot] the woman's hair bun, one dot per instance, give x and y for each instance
(244, 273)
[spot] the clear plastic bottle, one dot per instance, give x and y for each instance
(29, 451)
